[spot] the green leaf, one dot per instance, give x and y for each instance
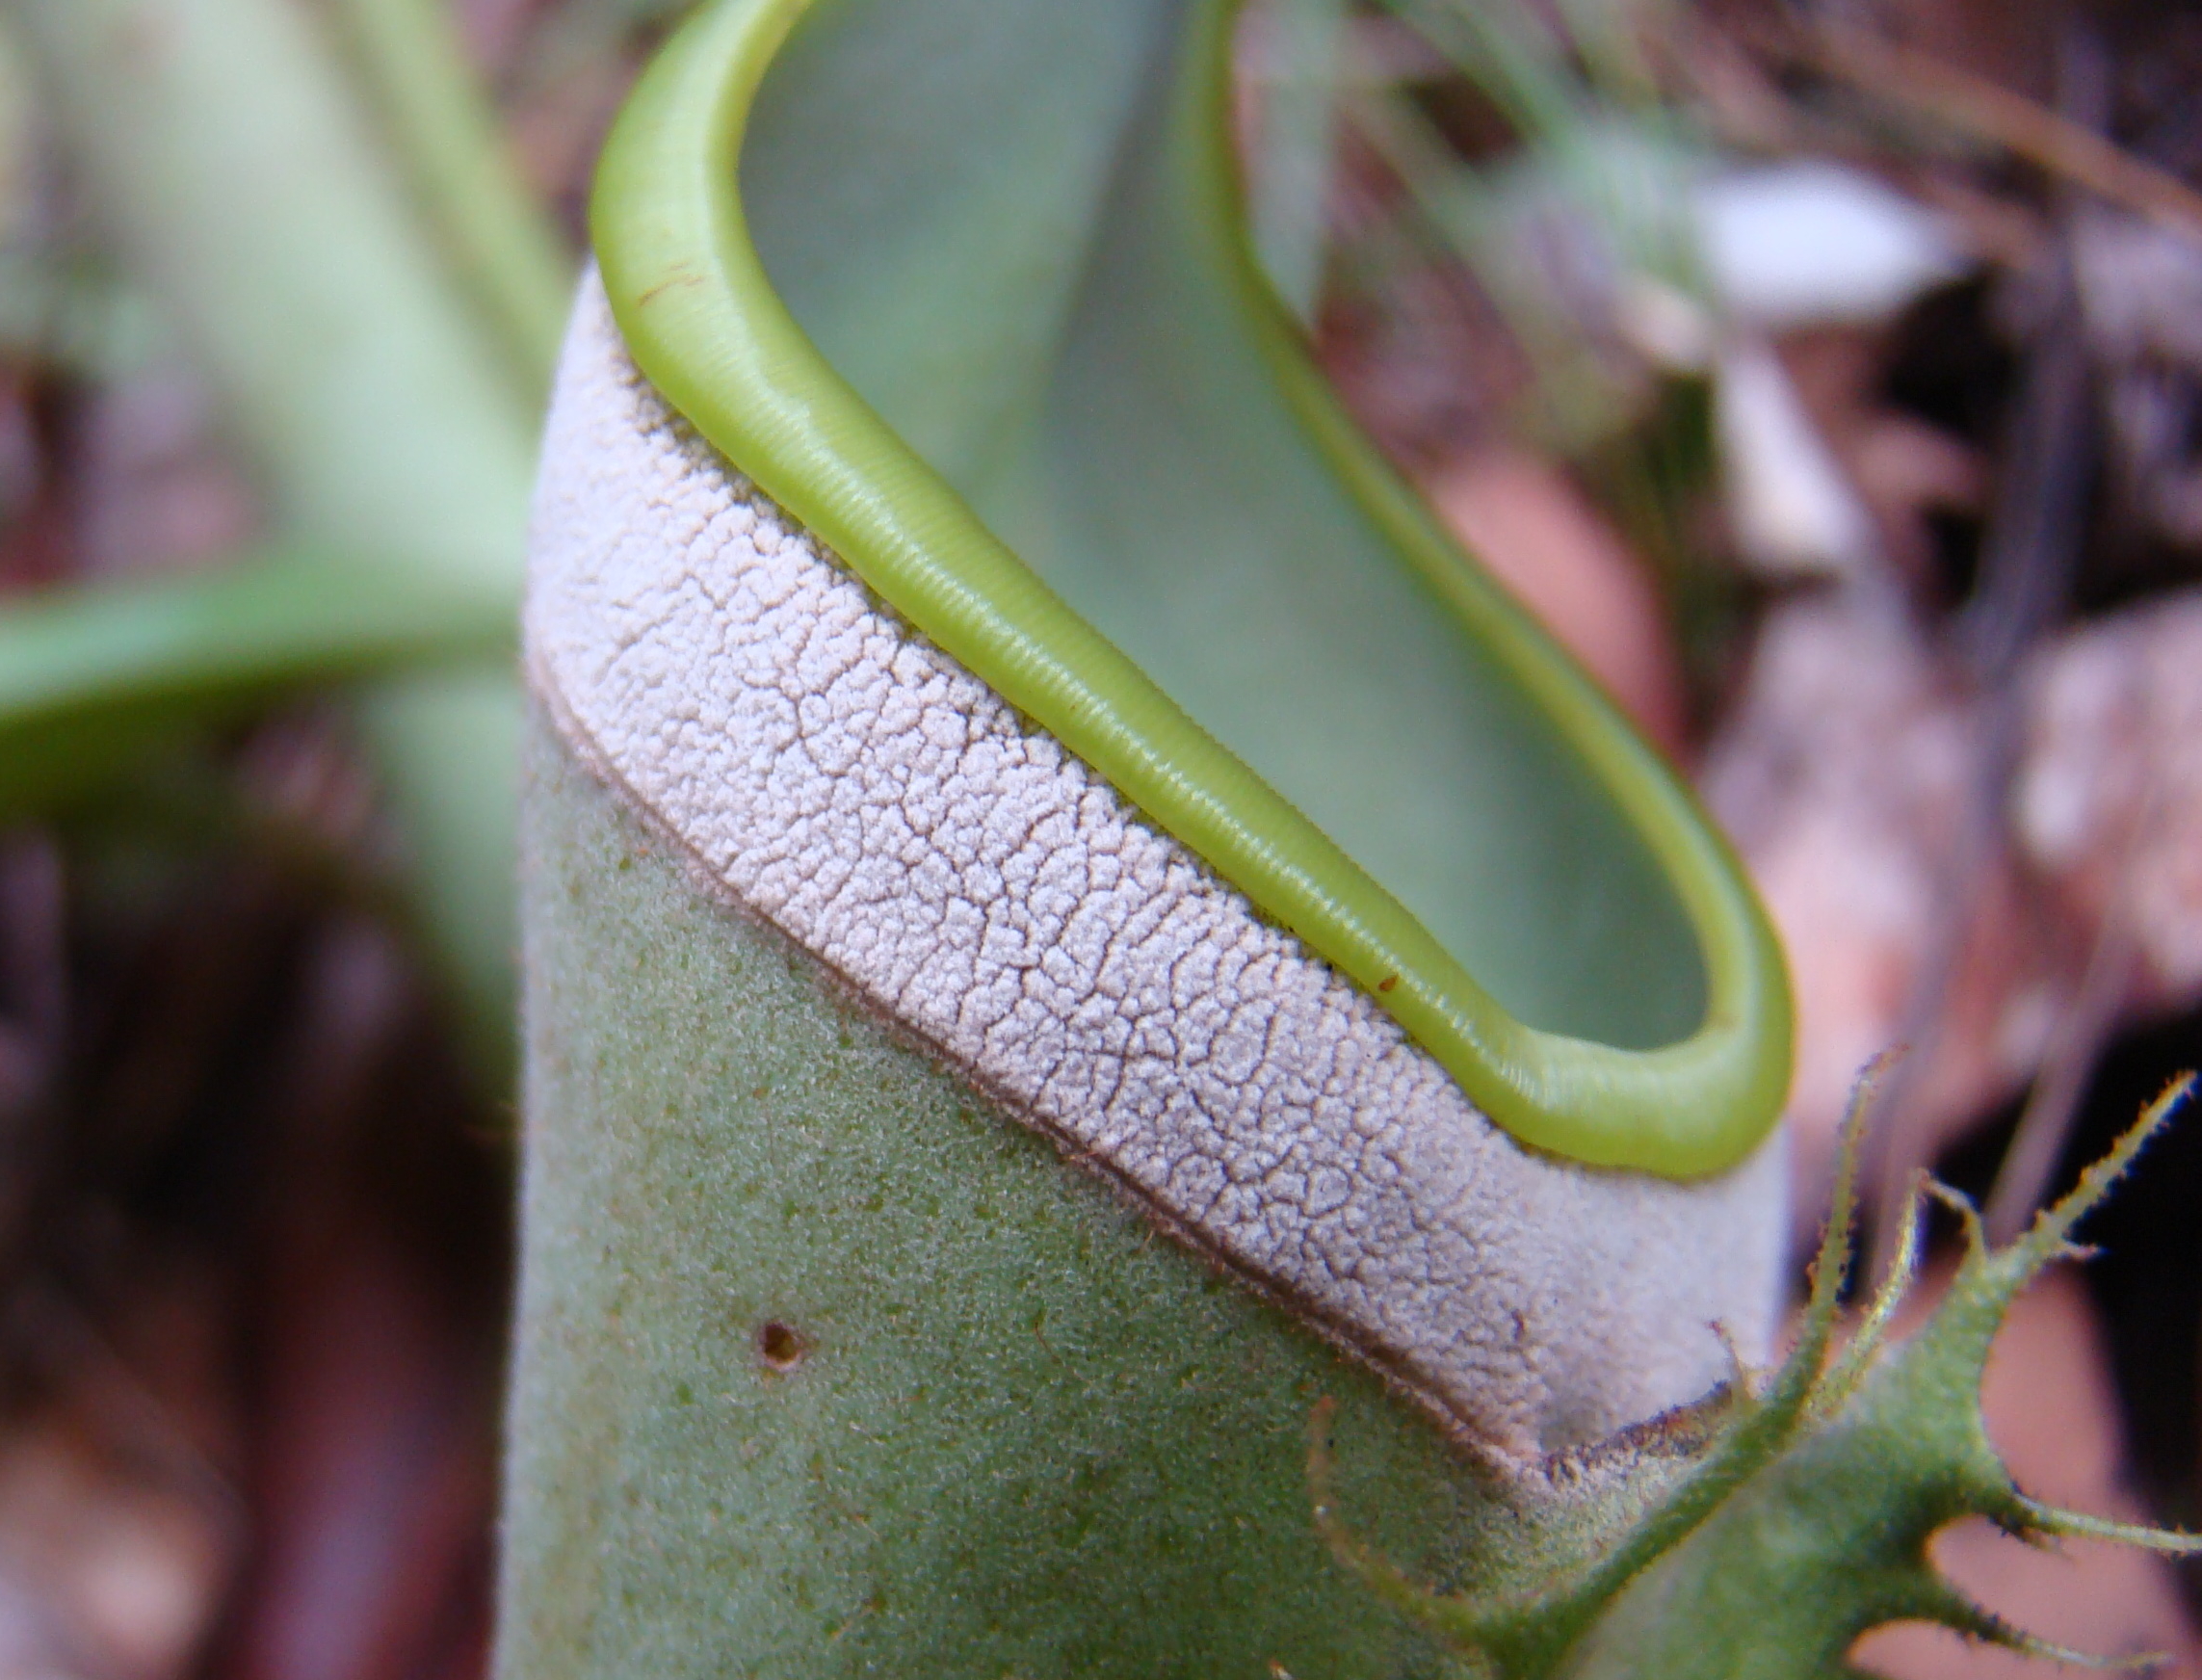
(964, 285)
(93, 680)
(239, 171)
(501, 243)
(1288, 205)
(1781, 1523)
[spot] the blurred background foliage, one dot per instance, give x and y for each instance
(1827, 374)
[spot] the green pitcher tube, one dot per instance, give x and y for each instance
(972, 1118)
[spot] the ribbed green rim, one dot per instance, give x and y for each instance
(703, 323)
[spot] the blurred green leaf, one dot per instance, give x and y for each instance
(249, 189)
(501, 244)
(93, 680)
(1289, 189)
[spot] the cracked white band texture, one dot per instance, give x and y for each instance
(833, 771)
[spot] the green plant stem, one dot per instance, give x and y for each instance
(500, 243)
(1291, 186)
(243, 181)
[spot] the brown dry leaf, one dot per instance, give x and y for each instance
(2109, 803)
(117, 1532)
(1844, 775)
(1902, 469)
(2011, 42)
(1841, 776)
(1562, 560)
(370, 1473)
(102, 1572)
